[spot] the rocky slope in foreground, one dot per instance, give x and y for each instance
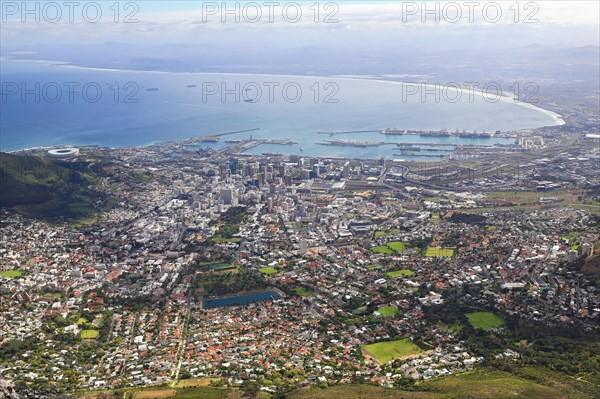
(8, 391)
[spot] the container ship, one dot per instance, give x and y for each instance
(436, 133)
(352, 143)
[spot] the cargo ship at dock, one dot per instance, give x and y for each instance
(409, 153)
(209, 139)
(436, 133)
(352, 143)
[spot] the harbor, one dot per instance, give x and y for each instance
(353, 143)
(435, 144)
(439, 133)
(214, 138)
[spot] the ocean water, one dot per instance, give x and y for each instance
(46, 104)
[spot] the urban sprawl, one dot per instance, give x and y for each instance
(298, 270)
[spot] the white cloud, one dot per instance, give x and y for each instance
(388, 16)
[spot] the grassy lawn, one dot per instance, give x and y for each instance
(390, 248)
(388, 311)
(196, 382)
(154, 394)
(379, 234)
(382, 249)
(301, 291)
(441, 252)
(89, 334)
(529, 200)
(202, 393)
(397, 246)
(390, 350)
(400, 273)
(222, 240)
(11, 273)
(215, 266)
(85, 221)
(485, 320)
(571, 237)
(519, 197)
(360, 311)
(454, 328)
(268, 270)
(185, 389)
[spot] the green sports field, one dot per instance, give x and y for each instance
(11, 273)
(390, 248)
(301, 291)
(485, 320)
(388, 311)
(268, 270)
(441, 252)
(390, 350)
(400, 273)
(382, 249)
(89, 334)
(397, 246)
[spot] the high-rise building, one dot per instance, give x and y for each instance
(586, 249)
(227, 196)
(233, 165)
(346, 170)
(303, 247)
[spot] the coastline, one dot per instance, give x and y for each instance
(556, 118)
(366, 78)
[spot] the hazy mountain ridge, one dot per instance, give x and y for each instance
(534, 61)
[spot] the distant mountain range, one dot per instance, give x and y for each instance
(528, 62)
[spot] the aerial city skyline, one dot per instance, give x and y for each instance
(299, 199)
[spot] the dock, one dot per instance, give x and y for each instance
(213, 138)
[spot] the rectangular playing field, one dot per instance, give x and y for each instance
(485, 320)
(390, 350)
(382, 249)
(441, 252)
(397, 246)
(268, 270)
(390, 248)
(301, 291)
(388, 311)
(11, 273)
(400, 273)
(89, 334)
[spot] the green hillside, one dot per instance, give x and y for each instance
(531, 383)
(47, 188)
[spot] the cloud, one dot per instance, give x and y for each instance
(183, 21)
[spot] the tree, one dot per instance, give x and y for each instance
(185, 375)
(251, 388)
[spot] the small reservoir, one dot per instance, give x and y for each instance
(243, 299)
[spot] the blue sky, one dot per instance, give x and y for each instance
(560, 23)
